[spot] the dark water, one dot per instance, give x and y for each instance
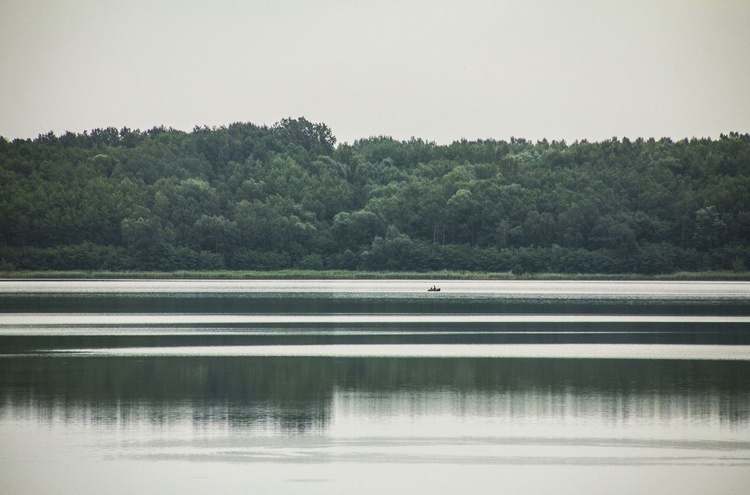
(373, 387)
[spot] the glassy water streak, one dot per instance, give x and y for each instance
(374, 387)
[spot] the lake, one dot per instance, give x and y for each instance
(196, 386)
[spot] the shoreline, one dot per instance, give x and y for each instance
(362, 275)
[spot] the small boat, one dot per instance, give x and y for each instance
(433, 289)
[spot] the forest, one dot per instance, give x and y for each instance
(249, 197)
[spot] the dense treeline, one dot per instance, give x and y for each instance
(258, 198)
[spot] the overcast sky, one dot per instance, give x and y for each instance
(441, 70)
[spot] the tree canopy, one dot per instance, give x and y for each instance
(287, 196)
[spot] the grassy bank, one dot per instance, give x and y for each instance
(359, 275)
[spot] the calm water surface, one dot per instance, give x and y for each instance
(374, 387)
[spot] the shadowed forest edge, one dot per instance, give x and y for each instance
(287, 199)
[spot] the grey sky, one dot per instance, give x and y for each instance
(440, 70)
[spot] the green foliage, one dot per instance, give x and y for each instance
(245, 197)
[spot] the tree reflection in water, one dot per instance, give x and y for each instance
(298, 394)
